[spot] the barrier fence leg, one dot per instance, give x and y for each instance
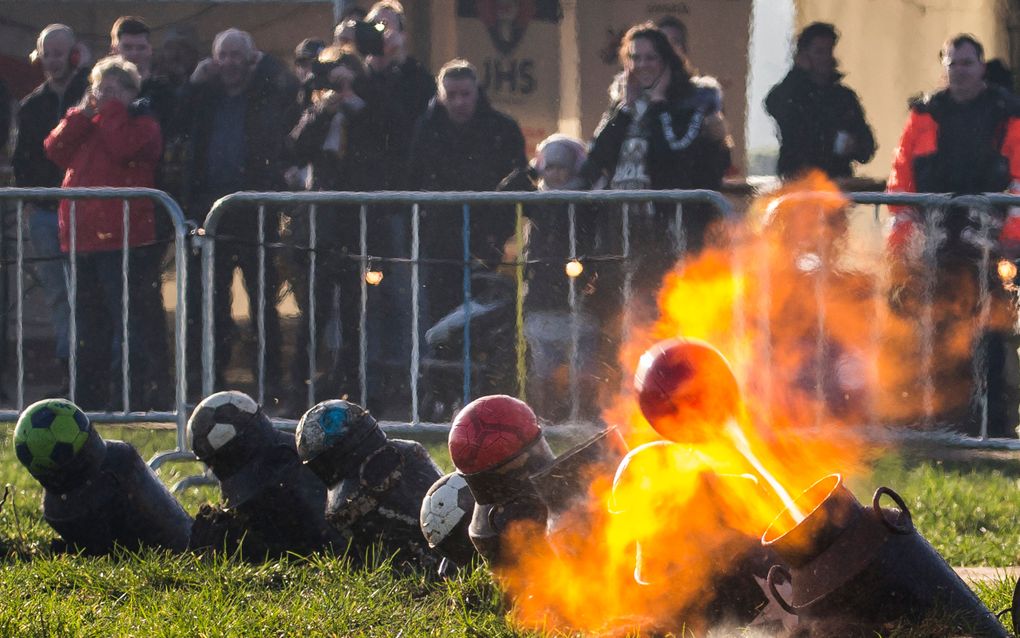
(521, 344)
(363, 313)
(415, 309)
(125, 305)
(20, 307)
(72, 289)
(260, 318)
(575, 328)
(466, 283)
(313, 243)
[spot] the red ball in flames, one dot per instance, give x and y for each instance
(686, 389)
(490, 431)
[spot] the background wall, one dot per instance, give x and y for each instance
(889, 52)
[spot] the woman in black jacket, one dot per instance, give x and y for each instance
(663, 130)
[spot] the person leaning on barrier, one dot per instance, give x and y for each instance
(65, 67)
(107, 140)
(820, 120)
(330, 138)
(661, 131)
(964, 138)
(239, 106)
(461, 144)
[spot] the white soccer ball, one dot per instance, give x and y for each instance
(446, 505)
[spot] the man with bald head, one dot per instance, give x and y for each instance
(65, 70)
(239, 107)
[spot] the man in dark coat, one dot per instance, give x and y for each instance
(240, 105)
(66, 74)
(821, 122)
(461, 144)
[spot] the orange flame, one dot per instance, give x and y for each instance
(644, 551)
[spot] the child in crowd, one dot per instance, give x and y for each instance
(107, 140)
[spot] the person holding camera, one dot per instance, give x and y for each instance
(398, 85)
(107, 140)
(239, 106)
(397, 89)
(331, 139)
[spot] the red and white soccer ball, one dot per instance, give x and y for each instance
(490, 431)
(686, 389)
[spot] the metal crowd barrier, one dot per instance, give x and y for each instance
(413, 203)
(162, 202)
(985, 226)
(630, 202)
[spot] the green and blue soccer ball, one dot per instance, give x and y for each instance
(49, 434)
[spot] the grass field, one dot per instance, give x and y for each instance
(968, 510)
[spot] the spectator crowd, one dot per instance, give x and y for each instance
(360, 114)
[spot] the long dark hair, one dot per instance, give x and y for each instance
(680, 71)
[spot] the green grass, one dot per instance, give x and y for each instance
(968, 511)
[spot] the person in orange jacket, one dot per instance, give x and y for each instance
(962, 139)
(107, 140)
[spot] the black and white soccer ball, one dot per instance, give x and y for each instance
(446, 513)
(220, 419)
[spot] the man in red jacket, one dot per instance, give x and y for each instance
(963, 139)
(105, 141)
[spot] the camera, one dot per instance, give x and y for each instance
(320, 75)
(368, 36)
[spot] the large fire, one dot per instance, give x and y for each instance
(793, 321)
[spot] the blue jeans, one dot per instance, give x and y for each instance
(42, 231)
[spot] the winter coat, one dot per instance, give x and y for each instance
(397, 97)
(38, 113)
(115, 147)
(348, 170)
(982, 156)
(272, 110)
(679, 156)
(809, 116)
(475, 156)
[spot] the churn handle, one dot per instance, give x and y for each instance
(906, 523)
(771, 580)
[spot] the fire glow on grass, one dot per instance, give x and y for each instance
(649, 547)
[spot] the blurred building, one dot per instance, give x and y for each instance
(546, 62)
(889, 51)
